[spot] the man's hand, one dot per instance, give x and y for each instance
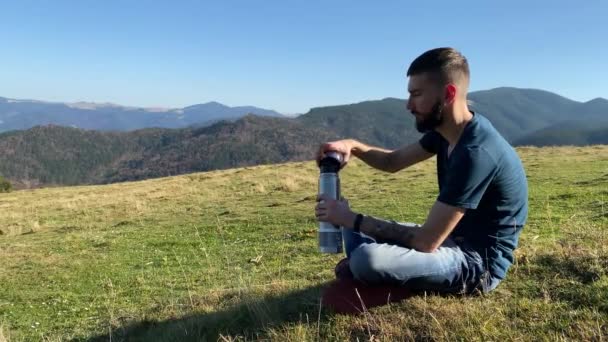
(342, 146)
(335, 212)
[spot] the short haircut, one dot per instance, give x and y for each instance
(445, 64)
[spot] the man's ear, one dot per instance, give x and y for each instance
(450, 93)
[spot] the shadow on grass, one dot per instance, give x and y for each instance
(259, 316)
(569, 279)
(585, 269)
(575, 280)
(250, 319)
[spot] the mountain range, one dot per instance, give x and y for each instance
(24, 114)
(56, 155)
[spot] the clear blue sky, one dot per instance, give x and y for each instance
(290, 55)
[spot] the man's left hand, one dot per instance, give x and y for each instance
(336, 212)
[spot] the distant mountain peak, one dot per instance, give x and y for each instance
(597, 100)
(26, 101)
(92, 105)
(214, 103)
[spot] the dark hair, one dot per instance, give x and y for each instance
(447, 64)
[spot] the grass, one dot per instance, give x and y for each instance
(231, 256)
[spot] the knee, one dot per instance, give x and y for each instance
(366, 263)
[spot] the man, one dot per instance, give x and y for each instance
(468, 239)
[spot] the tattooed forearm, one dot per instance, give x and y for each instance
(390, 230)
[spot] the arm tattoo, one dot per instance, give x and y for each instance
(389, 230)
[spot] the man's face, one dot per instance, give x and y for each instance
(425, 102)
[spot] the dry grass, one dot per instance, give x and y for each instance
(2, 337)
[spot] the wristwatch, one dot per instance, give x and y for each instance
(357, 225)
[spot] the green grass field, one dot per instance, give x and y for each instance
(232, 255)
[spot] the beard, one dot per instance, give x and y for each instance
(432, 119)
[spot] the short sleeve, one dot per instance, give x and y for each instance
(431, 142)
(468, 176)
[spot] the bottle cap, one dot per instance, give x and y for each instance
(331, 162)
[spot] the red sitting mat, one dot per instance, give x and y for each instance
(348, 296)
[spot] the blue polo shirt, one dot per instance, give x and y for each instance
(484, 175)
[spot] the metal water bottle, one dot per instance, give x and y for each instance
(330, 236)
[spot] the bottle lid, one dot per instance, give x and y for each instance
(331, 162)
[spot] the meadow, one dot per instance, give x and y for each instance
(232, 255)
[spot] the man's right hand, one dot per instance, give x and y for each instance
(342, 146)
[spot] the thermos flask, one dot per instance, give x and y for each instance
(330, 236)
